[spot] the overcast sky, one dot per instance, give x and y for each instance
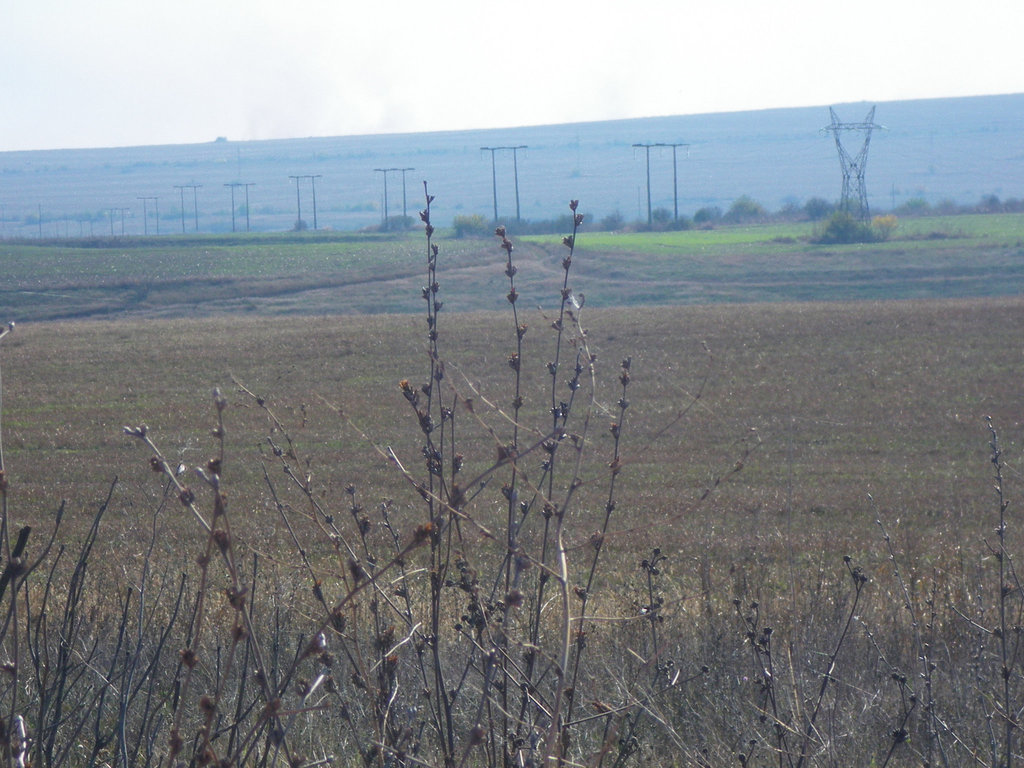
(97, 73)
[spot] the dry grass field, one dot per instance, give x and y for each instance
(785, 551)
(886, 399)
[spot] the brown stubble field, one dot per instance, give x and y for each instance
(852, 412)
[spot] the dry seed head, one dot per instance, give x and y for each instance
(422, 533)
(206, 705)
(236, 597)
(458, 497)
(316, 646)
(223, 540)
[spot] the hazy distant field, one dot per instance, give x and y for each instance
(935, 149)
(335, 273)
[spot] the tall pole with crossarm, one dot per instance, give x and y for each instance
(647, 150)
(515, 174)
(494, 174)
(234, 185)
(494, 179)
(195, 203)
(145, 214)
(675, 182)
(403, 172)
(384, 224)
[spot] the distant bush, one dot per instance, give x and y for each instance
(947, 207)
(400, 223)
(559, 225)
(915, 206)
(744, 210)
(613, 222)
(818, 208)
(990, 204)
(843, 227)
(707, 215)
(882, 227)
(471, 225)
(790, 211)
(680, 224)
(662, 220)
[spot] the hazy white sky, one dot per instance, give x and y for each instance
(131, 72)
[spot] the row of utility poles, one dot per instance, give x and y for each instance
(386, 218)
(852, 165)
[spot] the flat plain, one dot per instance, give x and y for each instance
(349, 273)
(803, 453)
(859, 407)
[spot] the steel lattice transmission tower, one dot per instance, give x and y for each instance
(853, 166)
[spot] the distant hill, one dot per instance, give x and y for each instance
(935, 149)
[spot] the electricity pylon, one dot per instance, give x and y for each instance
(853, 166)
